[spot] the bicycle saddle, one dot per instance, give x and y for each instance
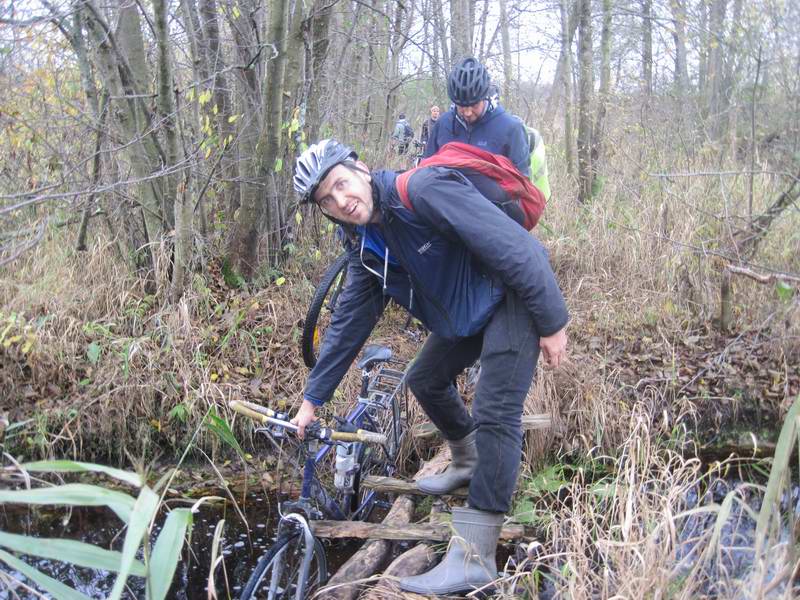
(372, 355)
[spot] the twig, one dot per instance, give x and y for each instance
(762, 277)
(26, 246)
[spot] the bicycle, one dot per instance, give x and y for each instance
(419, 150)
(295, 565)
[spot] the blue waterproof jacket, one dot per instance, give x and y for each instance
(497, 131)
(448, 261)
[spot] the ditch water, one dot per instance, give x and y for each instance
(102, 528)
(241, 549)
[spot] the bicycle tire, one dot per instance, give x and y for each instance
(332, 281)
(264, 568)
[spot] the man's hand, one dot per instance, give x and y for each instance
(554, 348)
(305, 415)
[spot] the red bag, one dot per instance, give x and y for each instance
(458, 155)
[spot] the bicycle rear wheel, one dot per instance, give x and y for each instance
(386, 415)
(277, 573)
(322, 307)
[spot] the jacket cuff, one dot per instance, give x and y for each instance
(313, 400)
(553, 328)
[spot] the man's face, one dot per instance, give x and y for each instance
(435, 113)
(472, 113)
(346, 195)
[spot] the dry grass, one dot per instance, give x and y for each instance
(640, 259)
(647, 523)
(158, 369)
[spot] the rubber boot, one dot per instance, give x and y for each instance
(470, 560)
(458, 472)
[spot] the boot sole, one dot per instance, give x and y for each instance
(486, 588)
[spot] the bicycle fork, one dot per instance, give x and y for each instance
(277, 572)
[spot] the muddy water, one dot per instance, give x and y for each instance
(102, 528)
(243, 543)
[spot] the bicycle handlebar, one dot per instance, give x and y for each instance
(264, 415)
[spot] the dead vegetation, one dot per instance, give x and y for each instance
(96, 368)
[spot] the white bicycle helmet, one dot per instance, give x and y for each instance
(314, 164)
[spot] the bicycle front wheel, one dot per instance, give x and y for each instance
(323, 304)
(277, 574)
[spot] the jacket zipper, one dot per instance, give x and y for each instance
(413, 280)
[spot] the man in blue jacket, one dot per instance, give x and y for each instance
(483, 287)
(475, 119)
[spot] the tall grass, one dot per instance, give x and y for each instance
(138, 513)
(649, 523)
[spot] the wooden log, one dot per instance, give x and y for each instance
(529, 422)
(747, 448)
(352, 576)
(347, 582)
(419, 559)
(437, 532)
(402, 486)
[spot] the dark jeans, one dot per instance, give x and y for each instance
(509, 349)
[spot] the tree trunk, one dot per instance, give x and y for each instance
(605, 86)
(264, 166)
(647, 47)
(566, 82)
(679, 37)
(319, 42)
(117, 80)
(181, 203)
(97, 164)
(460, 30)
(396, 40)
(702, 46)
(441, 33)
(714, 84)
(159, 217)
(508, 63)
(585, 101)
(562, 81)
(221, 110)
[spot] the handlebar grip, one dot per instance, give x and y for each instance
(257, 408)
(238, 407)
(371, 437)
(361, 435)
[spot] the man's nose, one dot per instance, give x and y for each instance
(340, 199)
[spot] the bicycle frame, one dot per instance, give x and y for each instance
(380, 389)
(377, 393)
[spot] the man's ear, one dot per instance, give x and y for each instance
(364, 169)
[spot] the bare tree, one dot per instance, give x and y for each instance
(508, 62)
(461, 27)
(647, 47)
(679, 37)
(565, 82)
(585, 101)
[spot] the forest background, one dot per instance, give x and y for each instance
(155, 263)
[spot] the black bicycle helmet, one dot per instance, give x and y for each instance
(468, 82)
(314, 164)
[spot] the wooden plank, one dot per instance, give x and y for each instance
(437, 532)
(529, 423)
(402, 486)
